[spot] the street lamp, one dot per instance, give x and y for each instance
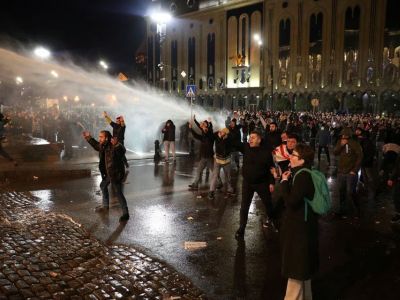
(103, 64)
(54, 74)
(19, 80)
(160, 18)
(42, 52)
(258, 39)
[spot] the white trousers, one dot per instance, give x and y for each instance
(167, 146)
(298, 290)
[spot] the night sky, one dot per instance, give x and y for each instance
(88, 30)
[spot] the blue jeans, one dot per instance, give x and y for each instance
(216, 178)
(117, 187)
(203, 163)
(347, 189)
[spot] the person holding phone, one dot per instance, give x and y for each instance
(299, 237)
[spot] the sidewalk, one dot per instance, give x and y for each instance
(50, 256)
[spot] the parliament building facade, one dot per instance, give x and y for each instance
(335, 55)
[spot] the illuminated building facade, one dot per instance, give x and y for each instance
(345, 53)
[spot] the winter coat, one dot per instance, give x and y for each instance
(257, 163)
(369, 150)
(223, 147)
(111, 162)
(273, 138)
(118, 131)
(350, 156)
(206, 143)
(169, 133)
(323, 137)
(299, 238)
(235, 136)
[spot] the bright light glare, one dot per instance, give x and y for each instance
(42, 52)
(76, 99)
(256, 37)
(19, 80)
(65, 98)
(161, 17)
(183, 74)
(103, 64)
(54, 73)
(260, 43)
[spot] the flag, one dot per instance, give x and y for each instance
(122, 77)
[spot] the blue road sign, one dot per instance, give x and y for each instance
(191, 91)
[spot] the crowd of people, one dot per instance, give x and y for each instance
(276, 148)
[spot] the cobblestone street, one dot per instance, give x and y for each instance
(45, 255)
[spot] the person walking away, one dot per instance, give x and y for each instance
(350, 157)
(299, 237)
(368, 176)
(323, 139)
(169, 139)
(112, 170)
(257, 177)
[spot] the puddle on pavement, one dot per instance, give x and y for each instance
(45, 199)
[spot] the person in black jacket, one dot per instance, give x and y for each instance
(257, 177)
(111, 165)
(299, 238)
(223, 146)
(118, 131)
(169, 139)
(235, 136)
(206, 139)
(368, 176)
(3, 121)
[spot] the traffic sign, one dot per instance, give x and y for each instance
(191, 90)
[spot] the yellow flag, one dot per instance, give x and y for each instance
(122, 77)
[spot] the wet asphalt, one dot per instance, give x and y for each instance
(360, 258)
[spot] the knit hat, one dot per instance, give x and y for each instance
(225, 130)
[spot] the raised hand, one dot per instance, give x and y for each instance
(86, 134)
(114, 141)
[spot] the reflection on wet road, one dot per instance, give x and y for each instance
(164, 214)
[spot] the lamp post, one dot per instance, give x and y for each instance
(161, 19)
(260, 42)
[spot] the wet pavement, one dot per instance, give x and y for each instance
(359, 257)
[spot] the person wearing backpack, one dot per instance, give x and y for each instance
(299, 231)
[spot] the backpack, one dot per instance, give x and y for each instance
(321, 203)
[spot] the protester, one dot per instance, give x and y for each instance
(119, 128)
(206, 139)
(111, 165)
(3, 121)
(222, 161)
(299, 237)
(235, 136)
(169, 139)
(257, 177)
(323, 139)
(350, 157)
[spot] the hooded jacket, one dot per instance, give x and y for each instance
(111, 162)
